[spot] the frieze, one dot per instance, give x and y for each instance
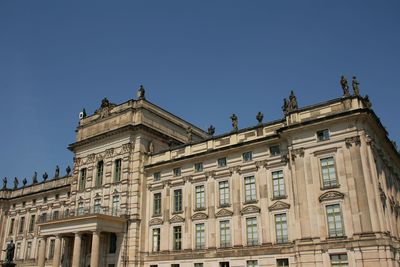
(224, 213)
(235, 169)
(331, 195)
(77, 161)
(353, 140)
(187, 179)
(176, 219)
(91, 158)
(261, 163)
(126, 148)
(199, 216)
(156, 221)
(109, 152)
(279, 205)
(250, 209)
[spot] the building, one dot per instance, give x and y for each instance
(319, 187)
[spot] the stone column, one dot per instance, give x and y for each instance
(94, 258)
(77, 250)
(42, 252)
(57, 252)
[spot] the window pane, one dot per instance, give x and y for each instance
(250, 188)
(334, 218)
(224, 193)
(200, 197)
(252, 235)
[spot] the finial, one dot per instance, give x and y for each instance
(141, 92)
(259, 117)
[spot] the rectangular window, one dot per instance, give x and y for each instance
(11, 231)
(274, 150)
(247, 156)
(278, 184)
(224, 193)
(117, 170)
(328, 172)
(99, 173)
(32, 223)
(157, 176)
(157, 204)
(178, 200)
(97, 206)
(221, 162)
(177, 171)
(156, 239)
(18, 251)
(174, 265)
(200, 197)
(82, 181)
(224, 264)
(51, 249)
(200, 236)
(323, 135)
(281, 228)
(250, 188)
(177, 237)
(115, 206)
(339, 260)
(198, 167)
(28, 250)
(198, 265)
(21, 225)
(252, 263)
(224, 234)
(282, 262)
(252, 235)
(55, 214)
(334, 217)
(80, 208)
(112, 246)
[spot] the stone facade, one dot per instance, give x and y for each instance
(319, 187)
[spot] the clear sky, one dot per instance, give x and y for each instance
(201, 60)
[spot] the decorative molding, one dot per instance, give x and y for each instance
(99, 157)
(224, 213)
(279, 205)
(156, 221)
(187, 179)
(261, 163)
(166, 183)
(109, 152)
(235, 169)
(126, 148)
(91, 158)
(209, 174)
(298, 152)
(353, 140)
(331, 195)
(176, 219)
(77, 161)
(199, 216)
(250, 209)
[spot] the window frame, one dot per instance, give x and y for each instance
(220, 160)
(280, 238)
(279, 195)
(198, 167)
(323, 136)
(252, 198)
(200, 201)
(321, 168)
(343, 233)
(226, 244)
(117, 170)
(252, 242)
(247, 156)
(227, 191)
(174, 201)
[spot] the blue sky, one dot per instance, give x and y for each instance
(201, 60)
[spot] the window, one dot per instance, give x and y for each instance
(334, 217)
(278, 184)
(200, 197)
(198, 265)
(156, 239)
(224, 193)
(282, 262)
(44, 199)
(178, 200)
(28, 250)
(198, 167)
(55, 214)
(18, 251)
(33, 202)
(97, 205)
(174, 265)
(157, 176)
(221, 162)
(23, 204)
(323, 135)
(99, 173)
(11, 231)
(274, 150)
(32, 223)
(117, 170)
(252, 236)
(328, 172)
(224, 264)
(224, 234)
(82, 179)
(153, 265)
(21, 225)
(177, 237)
(281, 228)
(57, 197)
(66, 212)
(51, 249)
(247, 156)
(80, 208)
(177, 171)
(250, 188)
(252, 263)
(339, 260)
(112, 246)
(115, 206)
(43, 217)
(200, 236)
(157, 204)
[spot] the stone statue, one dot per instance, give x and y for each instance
(105, 103)
(34, 178)
(84, 113)
(68, 170)
(234, 119)
(151, 147)
(285, 107)
(189, 134)
(211, 130)
(367, 102)
(4, 183)
(16, 182)
(259, 117)
(10, 252)
(24, 182)
(45, 176)
(141, 92)
(345, 86)
(292, 101)
(355, 84)
(57, 173)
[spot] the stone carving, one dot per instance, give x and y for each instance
(176, 219)
(4, 183)
(188, 179)
(292, 101)
(199, 216)
(189, 133)
(45, 176)
(126, 147)
(57, 172)
(209, 174)
(77, 161)
(224, 213)
(368, 103)
(68, 170)
(109, 152)
(298, 152)
(211, 130)
(345, 86)
(141, 93)
(156, 221)
(24, 182)
(250, 209)
(166, 183)
(279, 205)
(10, 253)
(150, 148)
(382, 196)
(105, 108)
(91, 158)
(355, 84)
(259, 117)
(16, 182)
(234, 119)
(34, 178)
(261, 163)
(330, 195)
(353, 140)
(236, 169)
(285, 107)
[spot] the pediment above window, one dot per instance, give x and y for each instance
(176, 219)
(279, 205)
(250, 209)
(331, 195)
(224, 213)
(156, 221)
(199, 216)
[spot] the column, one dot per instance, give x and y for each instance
(42, 252)
(57, 252)
(77, 250)
(94, 258)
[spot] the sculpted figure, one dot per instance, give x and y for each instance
(10, 252)
(4, 183)
(355, 84)
(34, 178)
(211, 130)
(141, 92)
(259, 117)
(151, 147)
(16, 182)
(68, 170)
(189, 134)
(285, 106)
(57, 173)
(45, 176)
(292, 101)
(24, 182)
(234, 119)
(345, 86)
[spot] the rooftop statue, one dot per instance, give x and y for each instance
(234, 119)
(4, 183)
(345, 86)
(45, 176)
(259, 117)
(16, 182)
(68, 170)
(355, 84)
(10, 252)
(34, 178)
(141, 92)
(24, 182)
(285, 107)
(57, 172)
(151, 147)
(189, 134)
(105, 107)
(292, 102)
(211, 130)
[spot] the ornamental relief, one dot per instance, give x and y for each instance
(126, 148)
(353, 140)
(279, 205)
(224, 213)
(90, 158)
(235, 169)
(250, 209)
(199, 216)
(176, 219)
(109, 152)
(298, 152)
(156, 221)
(331, 195)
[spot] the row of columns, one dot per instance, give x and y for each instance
(76, 256)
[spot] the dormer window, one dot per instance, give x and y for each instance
(323, 135)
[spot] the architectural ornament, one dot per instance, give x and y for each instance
(331, 195)
(156, 221)
(176, 219)
(250, 209)
(279, 205)
(199, 216)
(345, 86)
(353, 140)
(234, 119)
(355, 85)
(224, 213)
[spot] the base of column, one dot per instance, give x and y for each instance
(8, 264)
